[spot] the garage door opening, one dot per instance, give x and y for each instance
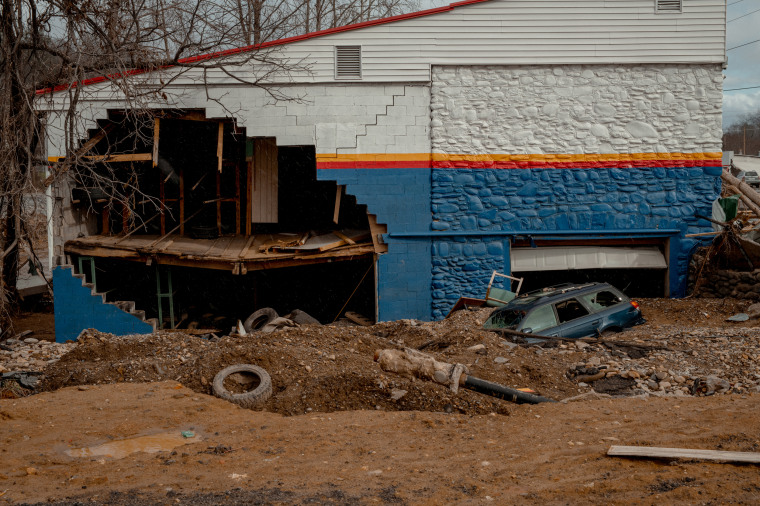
(639, 271)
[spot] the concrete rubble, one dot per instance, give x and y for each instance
(331, 367)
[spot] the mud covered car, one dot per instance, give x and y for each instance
(569, 310)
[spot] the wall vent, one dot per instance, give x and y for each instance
(668, 5)
(348, 62)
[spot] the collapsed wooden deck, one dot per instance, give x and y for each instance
(238, 254)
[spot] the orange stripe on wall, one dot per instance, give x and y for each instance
(506, 161)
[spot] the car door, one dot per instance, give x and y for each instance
(541, 321)
(575, 320)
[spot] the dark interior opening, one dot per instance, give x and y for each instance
(217, 299)
(632, 282)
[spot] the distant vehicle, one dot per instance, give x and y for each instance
(568, 310)
(750, 177)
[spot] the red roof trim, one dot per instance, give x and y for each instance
(279, 42)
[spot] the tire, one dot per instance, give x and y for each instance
(250, 399)
(259, 318)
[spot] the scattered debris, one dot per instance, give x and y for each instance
(710, 385)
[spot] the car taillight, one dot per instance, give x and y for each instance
(635, 304)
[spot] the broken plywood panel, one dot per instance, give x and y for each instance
(328, 241)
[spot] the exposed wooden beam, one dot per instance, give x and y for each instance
(86, 147)
(123, 157)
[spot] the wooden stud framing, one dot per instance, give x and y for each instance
(156, 128)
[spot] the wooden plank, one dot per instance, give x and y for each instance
(264, 200)
(683, 453)
(325, 242)
(220, 147)
(344, 237)
(124, 157)
(358, 318)
(703, 234)
(338, 195)
(247, 246)
(156, 128)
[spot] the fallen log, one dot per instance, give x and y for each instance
(413, 363)
(743, 187)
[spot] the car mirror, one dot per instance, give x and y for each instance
(527, 331)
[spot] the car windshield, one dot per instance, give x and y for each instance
(508, 319)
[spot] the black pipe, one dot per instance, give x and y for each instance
(502, 392)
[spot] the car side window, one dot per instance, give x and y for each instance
(601, 300)
(570, 309)
(540, 318)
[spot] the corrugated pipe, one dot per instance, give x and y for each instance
(502, 392)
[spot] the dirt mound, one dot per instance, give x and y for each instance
(331, 368)
(324, 369)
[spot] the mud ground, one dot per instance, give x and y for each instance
(333, 433)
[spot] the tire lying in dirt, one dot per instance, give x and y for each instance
(246, 385)
(259, 318)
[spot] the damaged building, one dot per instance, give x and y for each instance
(399, 163)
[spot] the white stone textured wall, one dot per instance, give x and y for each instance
(576, 109)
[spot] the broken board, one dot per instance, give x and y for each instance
(326, 242)
(683, 453)
(360, 319)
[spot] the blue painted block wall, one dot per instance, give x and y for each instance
(488, 200)
(401, 199)
(77, 309)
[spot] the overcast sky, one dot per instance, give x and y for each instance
(743, 69)
(743, 62)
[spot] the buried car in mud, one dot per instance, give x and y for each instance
(569, 310)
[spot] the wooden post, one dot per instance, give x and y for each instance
(338, 195)
(156, 127)
(220, 146)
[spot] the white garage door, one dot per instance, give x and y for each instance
(558, 258)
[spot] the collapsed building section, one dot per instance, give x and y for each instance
(197, 225)
(577, 151)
